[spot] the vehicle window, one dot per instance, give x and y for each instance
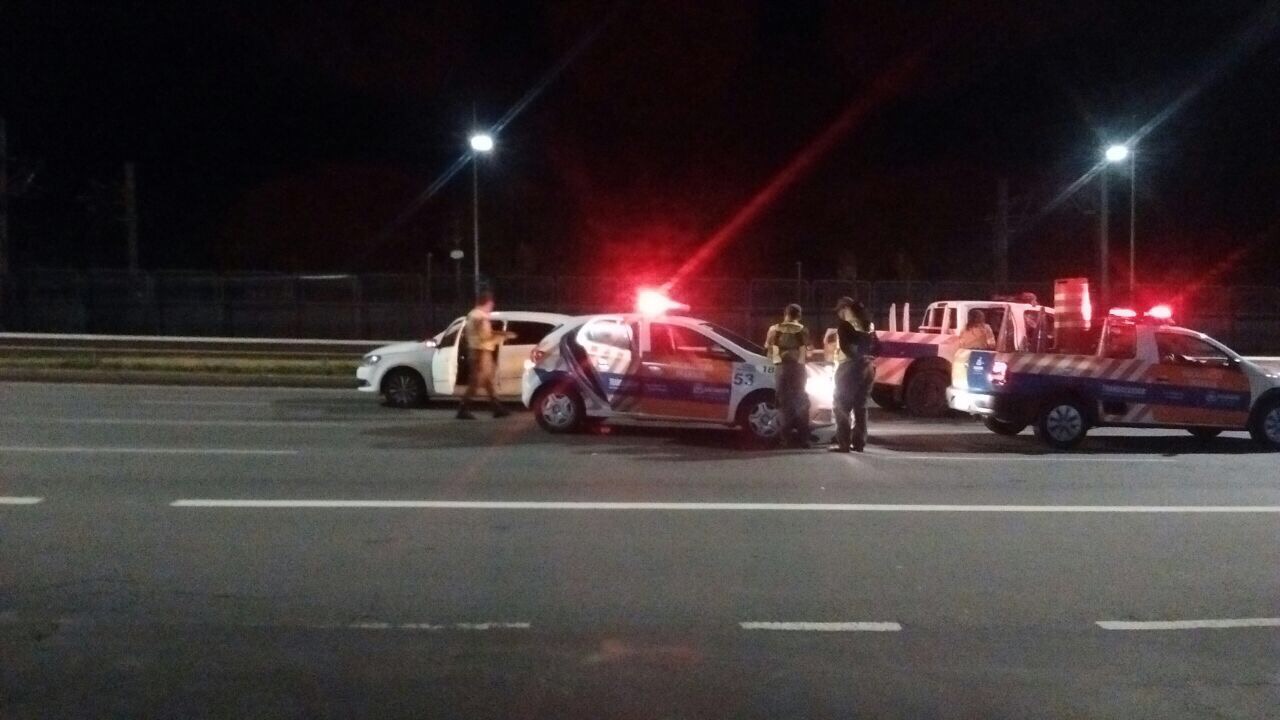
(451, 334)
(673, 342)
(528, 332)
(1120, 343)
(1032, 320)
(740, 341)
(933, 319)
(1180, 349)
(609, 332)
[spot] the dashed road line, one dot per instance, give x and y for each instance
(142, 451)
(1210, 624)
(17, 500)
(245, 503)
(822, 626)
(474, 626)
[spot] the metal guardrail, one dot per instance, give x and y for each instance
(46, 343)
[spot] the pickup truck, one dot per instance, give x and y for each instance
(1146, 373)
(914, 368)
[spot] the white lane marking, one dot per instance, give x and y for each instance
(175, 423)
(712, 506)
(823, 626)
(417, 420)
(1056, 457)
(143, 451)
(479, 626)
(1189, 624)
(12, 500)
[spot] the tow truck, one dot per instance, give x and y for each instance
(914, 368)
(1145, 372)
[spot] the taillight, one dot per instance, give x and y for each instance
(999, 368)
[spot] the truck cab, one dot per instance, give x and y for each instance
(1144, 372)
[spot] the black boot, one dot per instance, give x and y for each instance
(499, 411)
(464, 413)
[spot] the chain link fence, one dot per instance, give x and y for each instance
(407, 306)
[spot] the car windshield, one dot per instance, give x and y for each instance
(736, 339)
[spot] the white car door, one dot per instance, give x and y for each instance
(444, 363)
(514, 351)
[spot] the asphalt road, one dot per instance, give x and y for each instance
(408, 565)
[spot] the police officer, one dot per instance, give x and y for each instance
(855, 374)
(788, 346)
(482, 351)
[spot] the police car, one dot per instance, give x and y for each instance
(408, 374)
(660, 367)
(1146, 373)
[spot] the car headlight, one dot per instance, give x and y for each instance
(821, 384)
(372, 359)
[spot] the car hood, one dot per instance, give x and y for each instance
(404, 347)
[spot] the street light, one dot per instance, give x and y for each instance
(1118, 153)
(481, 144)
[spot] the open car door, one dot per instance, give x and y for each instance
(444, 363)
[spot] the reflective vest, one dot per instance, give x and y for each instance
(787, 342)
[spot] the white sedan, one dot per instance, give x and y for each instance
(408, 374)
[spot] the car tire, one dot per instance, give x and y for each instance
(404, 388)
(758, 419)
(1062, 424)
(926, 393)
(1265, 428)
(1204, 435)
(886, 396)
(559, 409)
(1001, 427)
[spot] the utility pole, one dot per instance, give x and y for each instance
(1133, 219)
(1001, 248)
(1104, 255)
(131, 214)
(4, 198)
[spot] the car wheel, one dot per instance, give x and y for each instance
(1265, 428)
(560, 410)
(1001, 427)
(886, 397)
(1204, 435)
(926, 394)
(404, 388)
(759, 420)
(1062, 424)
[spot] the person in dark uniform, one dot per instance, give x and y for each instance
(788, 346)
(855, 373)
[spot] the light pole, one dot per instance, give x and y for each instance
(1119, 153)
(481, 144)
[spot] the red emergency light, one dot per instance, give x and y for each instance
(652, 303)
(1160, 312)
(1127, 313)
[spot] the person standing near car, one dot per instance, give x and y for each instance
(482, 353)
(788, 346)
(854, 375)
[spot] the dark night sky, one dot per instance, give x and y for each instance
(286, 136)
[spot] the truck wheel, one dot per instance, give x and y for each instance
(886, 396)
(1204, 435)
(926, 394)
(559, 409)
(1062, 424)
(1000, 427)
(1265, 428)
